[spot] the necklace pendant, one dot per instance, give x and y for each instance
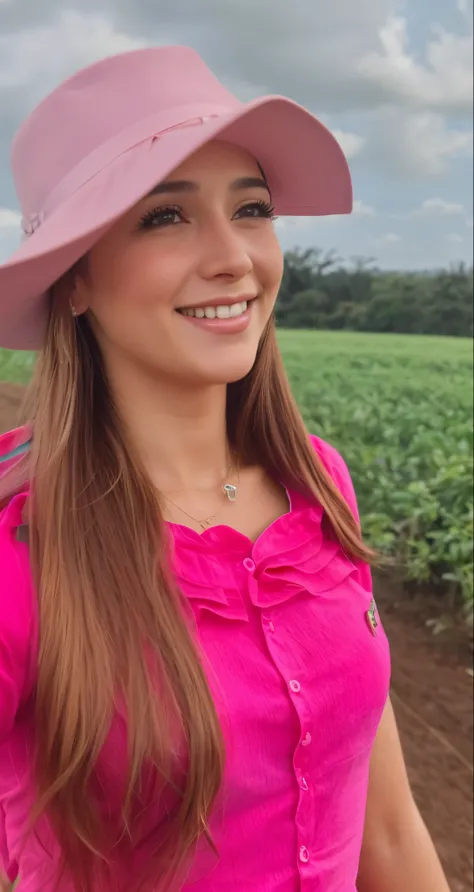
(230, 491)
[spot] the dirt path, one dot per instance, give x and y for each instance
(432, 695)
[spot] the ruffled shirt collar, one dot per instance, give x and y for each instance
(296, 553)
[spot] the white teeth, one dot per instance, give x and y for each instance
(224, 311)
(238, 309)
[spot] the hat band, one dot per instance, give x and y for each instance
(150, 128)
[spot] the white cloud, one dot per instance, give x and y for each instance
(388, 238)
(359, 209)
(417, 145)
(433, 209)
(455, 238)
(293, 223)
(38, 58)
(10, 232)
(443, 82)
(440, 208)
(9, 219)
(363, 210)
(465, 8)
(346, 55)
(351, 143)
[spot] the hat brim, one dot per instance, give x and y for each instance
(304, 164)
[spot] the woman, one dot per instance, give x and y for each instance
(193, 676)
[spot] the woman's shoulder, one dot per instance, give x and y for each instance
(18, 625)
(336, 466)
(15, 582)
(331, 458)
(326, 452)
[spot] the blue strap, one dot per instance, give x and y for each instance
(20, 450)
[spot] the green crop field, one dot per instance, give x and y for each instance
(399, 409)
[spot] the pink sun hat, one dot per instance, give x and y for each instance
(110, 133)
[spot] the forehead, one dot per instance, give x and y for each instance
(220, 158)
(216, 163)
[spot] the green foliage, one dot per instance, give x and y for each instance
(16, 366)
(318, 292)
(399, 409)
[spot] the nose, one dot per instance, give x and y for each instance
(224, 252)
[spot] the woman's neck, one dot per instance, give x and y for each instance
(179, 433)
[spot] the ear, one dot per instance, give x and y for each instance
(79, 293)
(72, 289)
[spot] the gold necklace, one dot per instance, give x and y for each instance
(229, 489)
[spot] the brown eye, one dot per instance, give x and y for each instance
(257, 209)
(159, 217)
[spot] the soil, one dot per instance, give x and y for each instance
(432, 694)
(432, 691)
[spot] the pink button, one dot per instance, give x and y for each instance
(295, 686)
(249, 565)
(304, 854)
(303, 783)
(271, 627)
(306, 739)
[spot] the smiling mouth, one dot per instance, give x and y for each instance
(221, 311)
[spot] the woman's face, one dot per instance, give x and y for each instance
(183, 285)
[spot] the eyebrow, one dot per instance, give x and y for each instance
(177, 186)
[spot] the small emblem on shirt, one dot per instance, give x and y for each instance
(371, 618)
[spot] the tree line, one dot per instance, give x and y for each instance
(319, 291)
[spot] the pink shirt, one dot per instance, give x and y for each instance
(299, 668)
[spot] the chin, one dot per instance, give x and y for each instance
(227, 374)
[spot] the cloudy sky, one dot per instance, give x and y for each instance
(393, 80)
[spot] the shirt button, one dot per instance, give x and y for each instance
(295, 686)
(303, 783)
(249, 565)
(306, 739)
(271, 627)
(304, 854)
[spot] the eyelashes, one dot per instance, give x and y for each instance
(159, 217)
(264, 207)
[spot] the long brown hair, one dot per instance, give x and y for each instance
(112, 621)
